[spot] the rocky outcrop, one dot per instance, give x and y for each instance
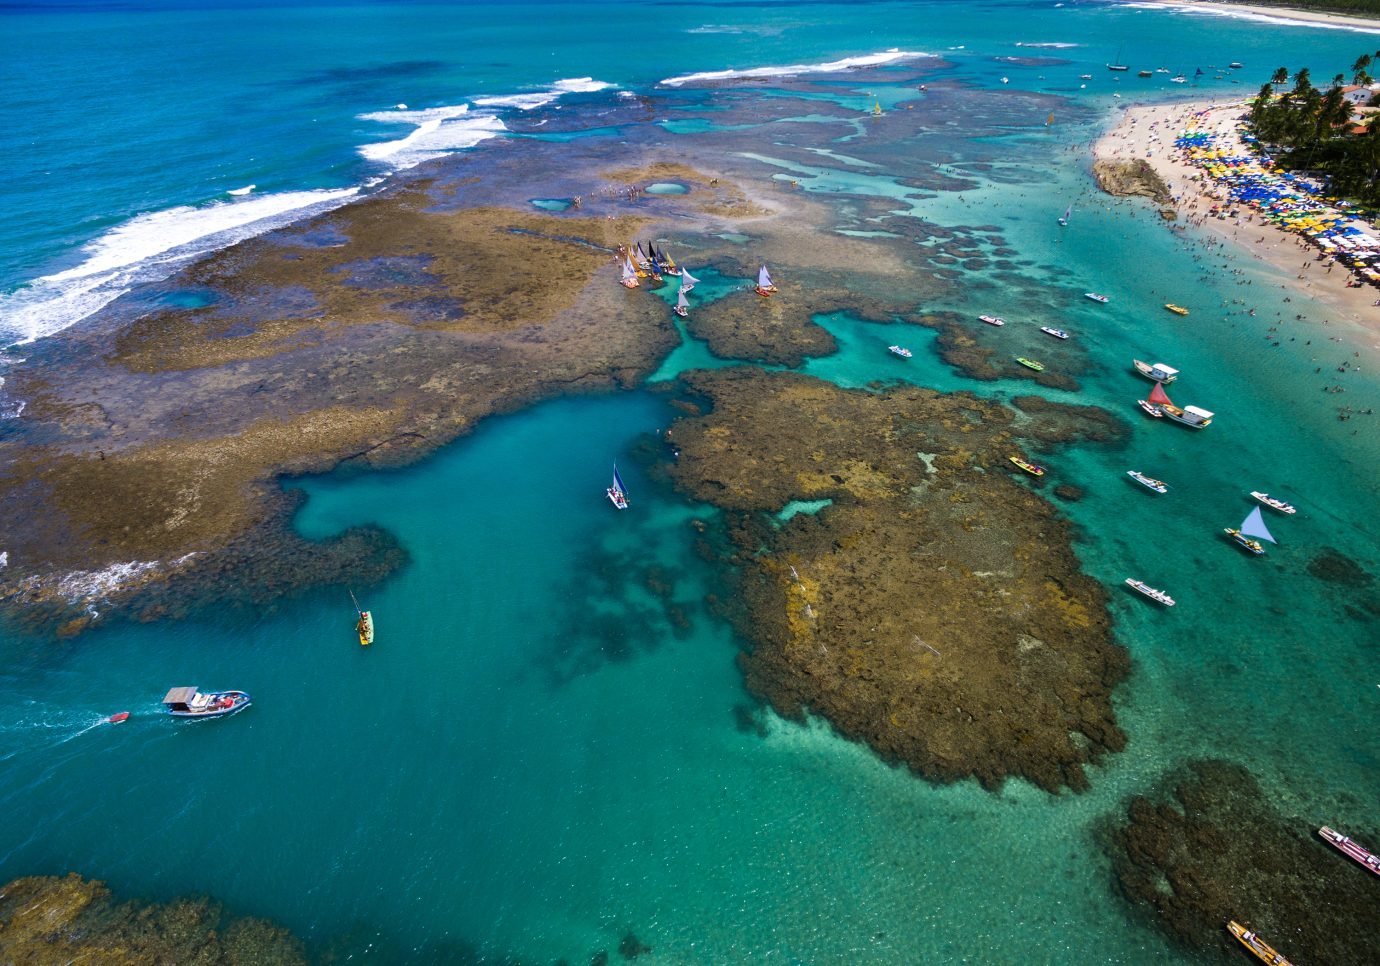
(1134, 177)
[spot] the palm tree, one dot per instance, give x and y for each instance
(1280, 77)
(1359, 73)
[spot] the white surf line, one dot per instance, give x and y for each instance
(830, 67)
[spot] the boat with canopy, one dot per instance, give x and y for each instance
(1157, 371)
(191, 703)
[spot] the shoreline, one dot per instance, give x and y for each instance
(1147, 132)
(1283, 15)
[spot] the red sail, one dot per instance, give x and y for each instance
(1159, 396)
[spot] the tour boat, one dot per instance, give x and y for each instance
(991, 320)
(1255, 944)
(1034, 469)
(1031, 364)
(1176, 309)
(629, 278)
(1362, 855)
(1100, 299)
(1190, 416)
(364, 627)
(1144, 588)
(1057, 333)
(1273, 503)
(1157, 371)
(618, 493)
(764, 288)
(901, 351)
(1252, 526)
(191, 703)
(1149, 482)
(682, 307)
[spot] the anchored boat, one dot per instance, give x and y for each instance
(1149, 482)
(191, 703)
(1157, 371)
(618, 493)
(1142, 587)
(1031, 364)
(1099, 299)
(991, 320)
(1176, 309)
(1263, 951)
(1057, 333)
(1274, 504)
(1034, 469)
(364, 627)
(1191, 416)
(898, 350)
(1354, 849)
(1252, 526)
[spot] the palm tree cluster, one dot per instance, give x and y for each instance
(1311, 129)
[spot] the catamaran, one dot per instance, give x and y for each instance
(682, 306)
(1157, 595)
(899, 350)
(1149, 482)
(1034, 469)
(991, 320)
(191, 703)
(1154, 406)
(1157, 371)
(364, 627)
(1252, 526)
(1262, 950)
(687, 281)
(1273, 503)
(618, 493)
(765, 287)
(1099, 299)
(1355, 850)
(1057, 333)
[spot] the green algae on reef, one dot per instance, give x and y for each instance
(935, 609)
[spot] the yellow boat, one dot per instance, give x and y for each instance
(1176, 309)
(1255, 944)
(365, 628)
(1032, 468)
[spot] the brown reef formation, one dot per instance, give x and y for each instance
(1135, 177)
(58, 920)
(935, 609)
(1212, 847)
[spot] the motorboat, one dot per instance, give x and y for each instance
(191, 703)
(1142, 587)
(1057, 333)
(1099, 299)
(1355, 850)
(1263, 951)
(991, 320)
(1274, 504)
(1157, 371)
(1149, 482)
(1176, 309)
(1031, 364)
(898, 350)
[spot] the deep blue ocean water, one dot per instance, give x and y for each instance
(539, 756)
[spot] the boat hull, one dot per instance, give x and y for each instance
(1363, 857)
(617, 498)
(1151, 484)
(1252, 547)
(1262, 950)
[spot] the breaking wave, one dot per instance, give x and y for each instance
(829, 67)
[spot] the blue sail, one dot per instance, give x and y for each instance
(1254, 526)
(618, 481)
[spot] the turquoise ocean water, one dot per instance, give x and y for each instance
(541, 753)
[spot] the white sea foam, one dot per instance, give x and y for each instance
(1354, 26)
(237, 192)
(87, 587)
(830, 67)
(437, 131)
(144, 249)
(526, 102)
(1052, 45)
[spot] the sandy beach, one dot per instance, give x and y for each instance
(1247, 11)
(1148, 132)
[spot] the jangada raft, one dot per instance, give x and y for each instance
(1263, 951)
(191, 703)
(1252, 526)
(618, 493)
(1354, 849)
(765, 287)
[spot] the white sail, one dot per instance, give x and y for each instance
(628, 273)
(687, 281)
(763, 279)
(1254, 526)
(681, 303)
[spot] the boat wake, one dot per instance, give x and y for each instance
(148, 248)
(830, 67)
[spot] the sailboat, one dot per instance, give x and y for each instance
(1065, 220)
(1049, 120)
(877, 109)
(682, 307)
(687, 281)
(668, 264)
(765, 287)
(1252, 526)
(618, 493)
(1118, 65)
(1158, 399)
(629, 278)
(364, 627)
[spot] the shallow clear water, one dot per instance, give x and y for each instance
(541, 751)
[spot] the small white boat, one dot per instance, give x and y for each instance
(1142, 587)
(1178, 79)
(991, 320)
(1273, 503)
(1057, 333)
(1099, 299)
(898, 350)
(1149, 482)
(1150, 408)
(1157, 371)
(618, 493)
